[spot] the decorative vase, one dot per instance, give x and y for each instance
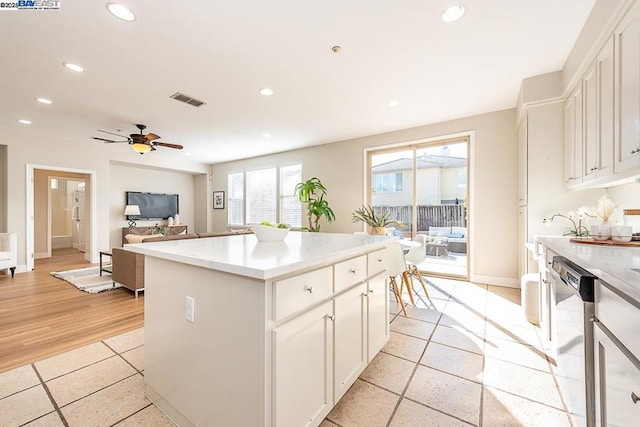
(176, 219)
(170, 221)
(601, 231)
(377, 231)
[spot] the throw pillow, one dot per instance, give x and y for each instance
(456, 235)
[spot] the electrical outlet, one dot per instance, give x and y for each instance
(191, 309)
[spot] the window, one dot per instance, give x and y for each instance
(235, 182)
(261, 196)
(387, 182)
(290, 206)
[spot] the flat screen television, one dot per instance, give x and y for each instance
(153, 205)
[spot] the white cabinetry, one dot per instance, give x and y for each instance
(627, 144)
(601, 126)
(377, 314)
(573, 138)
(303, 377)
(616, 351)
(350, 338)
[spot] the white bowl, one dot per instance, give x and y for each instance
(600, 232)
(621, 233)
(264, 233)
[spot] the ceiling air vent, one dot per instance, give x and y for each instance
(187, 99)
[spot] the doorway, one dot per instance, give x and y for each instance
(424, 186)
(60, 214)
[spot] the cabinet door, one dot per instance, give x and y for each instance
(522, 162)
(605, 63)
(627, 40)
(303, 377)
(378, 314)
(573, 138)
(590, 120)
(617, 382)
(350, 338)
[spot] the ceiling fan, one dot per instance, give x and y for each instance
(140, 143)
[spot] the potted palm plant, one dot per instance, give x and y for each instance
(377, 221)
(311, 192)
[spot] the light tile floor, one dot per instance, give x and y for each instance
(466, 356)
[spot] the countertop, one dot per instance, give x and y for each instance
(245, 256)
(612, 264)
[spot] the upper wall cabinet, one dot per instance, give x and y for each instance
(573, 127)
(627, 143)
(602, 114)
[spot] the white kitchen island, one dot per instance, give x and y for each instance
(280, 330)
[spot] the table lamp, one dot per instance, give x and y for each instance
(131, 211)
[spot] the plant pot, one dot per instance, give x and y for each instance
(377, 231)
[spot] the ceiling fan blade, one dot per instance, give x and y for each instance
(151, 137)
(105, 140)
(111, 133)
(168, 145)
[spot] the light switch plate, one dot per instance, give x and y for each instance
(191, 309)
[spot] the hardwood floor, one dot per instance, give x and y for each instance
(41, 316)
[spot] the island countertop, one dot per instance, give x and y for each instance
(617, 265)
(245, 256)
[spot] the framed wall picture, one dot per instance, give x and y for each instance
(218, 200)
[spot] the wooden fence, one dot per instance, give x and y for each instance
(428, 216)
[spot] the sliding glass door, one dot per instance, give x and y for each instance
(424, 187)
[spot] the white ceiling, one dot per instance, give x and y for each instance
(224, 51)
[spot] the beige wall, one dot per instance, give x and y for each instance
(129, 178)
(493, 172)
(3, 188)
(30, 148)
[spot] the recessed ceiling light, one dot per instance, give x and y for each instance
(73, 67)
(266, 91)
(43, 101)
(393, 103)
(24, 121)
(120, 11)
(266, 135)
(453, 13)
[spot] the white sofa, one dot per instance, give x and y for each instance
(455, 237)
(8, 252)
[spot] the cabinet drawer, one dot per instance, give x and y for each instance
(619, 316)
(376, 262)
(299, 292)
(350, 272)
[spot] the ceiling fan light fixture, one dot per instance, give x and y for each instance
(453, 13)
(141, 147)
(120, 11)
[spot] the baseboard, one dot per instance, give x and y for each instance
(40, 255)
(507, 282)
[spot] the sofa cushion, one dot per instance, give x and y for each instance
(5, 255)
(161, 238)
(439, 231)
(459, 230)
(456, 235)
(138, 238)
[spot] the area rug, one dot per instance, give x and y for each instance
(88, 279)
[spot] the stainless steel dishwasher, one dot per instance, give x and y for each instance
(574, 338)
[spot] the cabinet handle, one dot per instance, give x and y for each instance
(545, 281)
(593, 169)
(379, 259)
(634, 397)
(309, 289)
(634, 151)
(371, 291)
(332, 317)
(352, 271)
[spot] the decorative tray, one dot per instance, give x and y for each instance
(590, 241)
